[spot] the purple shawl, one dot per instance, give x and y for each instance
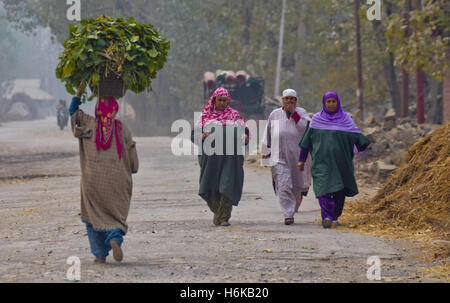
(339, 120)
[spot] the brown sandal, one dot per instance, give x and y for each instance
(215, 220)
(117, 251)
(326, 223)
(288, 221)
(100, 260)
(335, 224)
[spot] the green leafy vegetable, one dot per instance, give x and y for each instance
(98, 47)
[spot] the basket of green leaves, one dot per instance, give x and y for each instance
(111, 55)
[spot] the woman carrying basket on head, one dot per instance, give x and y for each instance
(108, 157)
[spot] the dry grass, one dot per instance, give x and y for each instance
(441, 272)
(413, 203)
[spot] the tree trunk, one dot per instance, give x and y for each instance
(446, 84)
(446, 95)
(359, 90)
(247, 24)
(420, 99)
(393, 84)
(404, 109)
(420, 83)
(404, 112)
(435, 115)
(388, 65)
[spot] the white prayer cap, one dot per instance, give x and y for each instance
(290, 93)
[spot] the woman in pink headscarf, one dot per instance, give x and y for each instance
(221, 133)
(108, 158)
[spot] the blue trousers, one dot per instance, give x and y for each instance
(100, 240)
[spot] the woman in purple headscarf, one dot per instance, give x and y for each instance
(330, 138)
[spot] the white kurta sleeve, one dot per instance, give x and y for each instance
(265, 143)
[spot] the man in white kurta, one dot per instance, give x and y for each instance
(280, 150)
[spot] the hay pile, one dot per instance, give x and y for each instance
(414, 202)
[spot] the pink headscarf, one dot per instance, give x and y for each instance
(105, 113)
(228, 116)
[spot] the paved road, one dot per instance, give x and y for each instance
(171, 236)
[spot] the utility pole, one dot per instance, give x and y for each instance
(359, 89)
(280, 51)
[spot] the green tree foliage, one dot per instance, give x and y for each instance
(7, 45)
(428, 42)
(192, 42)
(319, 52)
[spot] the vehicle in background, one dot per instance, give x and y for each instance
(23, 99)
(247, 93)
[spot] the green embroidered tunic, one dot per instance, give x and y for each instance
(332, 159)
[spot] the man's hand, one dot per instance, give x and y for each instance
(290, 107)
(301, 166)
